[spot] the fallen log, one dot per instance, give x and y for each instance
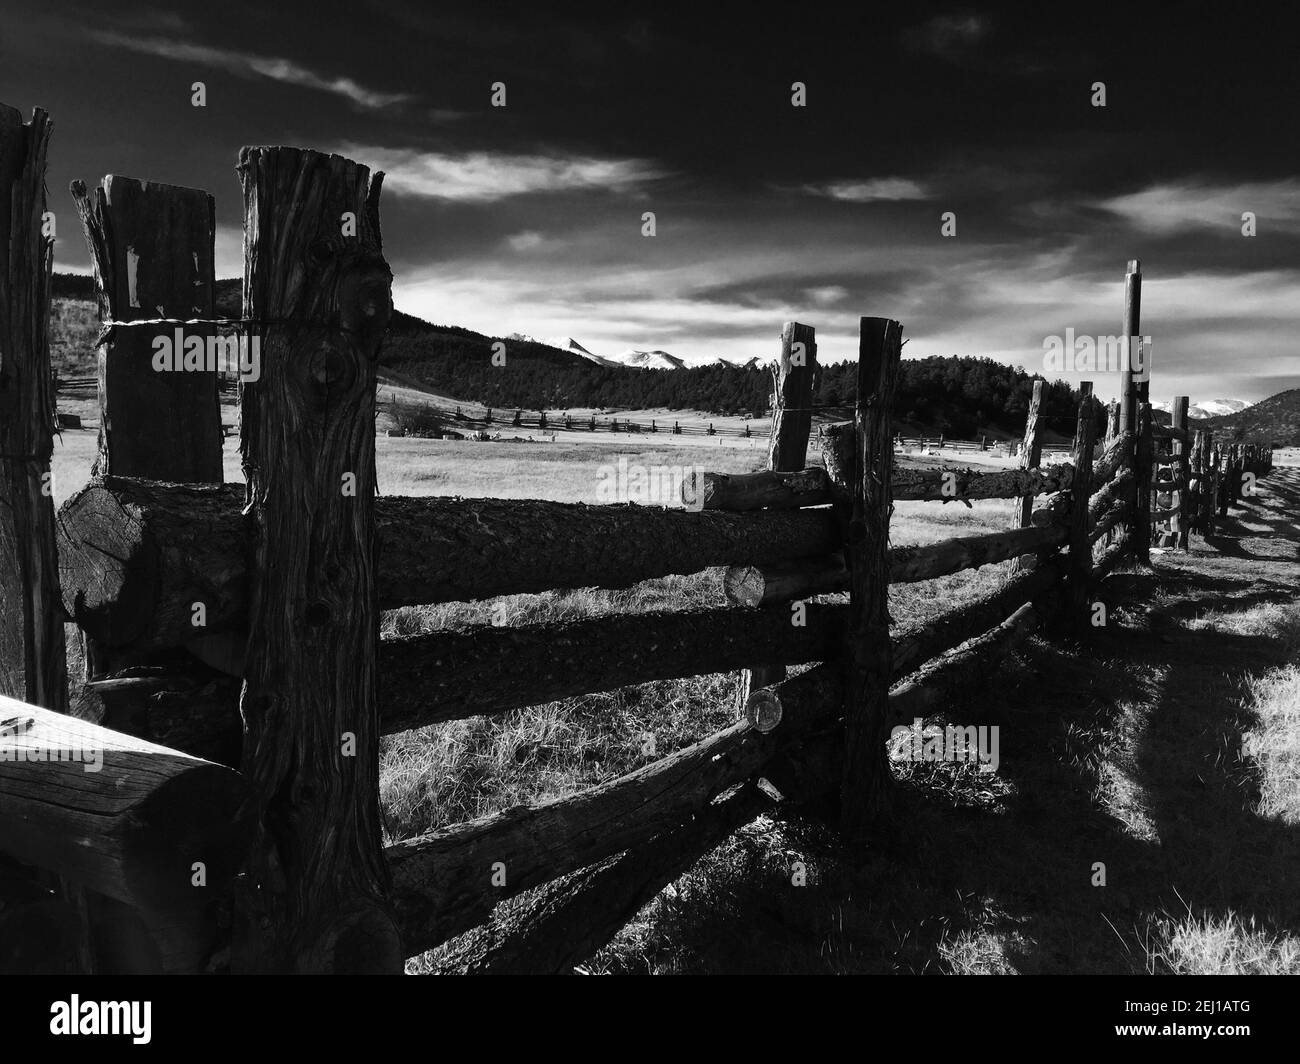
(125, 818)
(766, 489)
(442, 676)
(443, 881)
(569, 919)
(136, 556)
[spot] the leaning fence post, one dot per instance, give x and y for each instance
(864, 787)
(787, 448)
(1080, 560)
(151, 246)
(33, 660)
(1030, 457)
(313, 893)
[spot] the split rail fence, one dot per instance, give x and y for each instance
(232, 632)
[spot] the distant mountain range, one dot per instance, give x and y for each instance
(1209, 408)
(632, 359)
(1276, 418)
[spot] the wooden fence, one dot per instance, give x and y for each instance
(208, 844)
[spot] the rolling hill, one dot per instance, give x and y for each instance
(1275, 419)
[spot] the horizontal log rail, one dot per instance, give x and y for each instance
(442, 881)
(811, 487)
(439, 676)
(759, 585)
(968, 485)
(952, 674)
(124, 817)
(755, 491)
(135, 556)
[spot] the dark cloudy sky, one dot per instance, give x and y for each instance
(528, 218)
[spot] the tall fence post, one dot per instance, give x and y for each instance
(1145, 456)
(1128, 417)
(33, 660)
(317, 293)
(151, 247)
(1179, 451)
(1080, 561)
(1030, 457)
(787, 448)
(864, 789)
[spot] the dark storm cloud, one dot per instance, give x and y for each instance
(528, 218)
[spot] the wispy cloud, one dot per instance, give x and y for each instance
(484, 177)
(1171, 208)
(253, 66)
(947, 36)
(877, 189)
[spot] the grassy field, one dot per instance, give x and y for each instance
(1164, 749)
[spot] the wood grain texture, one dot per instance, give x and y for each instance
(787, 451)
(136, 555)
(312, 897)
(1031, 453)
(866, 781)
(1080, 561)
(563, 923)
(151, 247)
(442, 881)
(125, 818)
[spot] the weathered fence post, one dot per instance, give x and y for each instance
(313, 895)
(1030, 456)
(33, 667)
(1178, 449)
(151, 246)
(1080, 561)
(1132, 322)
(33, 661)
(787, 448)
(1145, 456)
(865, 784)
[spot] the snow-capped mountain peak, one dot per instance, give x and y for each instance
(1209, 408)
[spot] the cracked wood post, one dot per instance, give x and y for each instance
(33, 659)
(313, 896)
(151, 247)
(787, 448)
(864, 788)
(1030, 457)
(1178, 524)
(1145, 456)
(1128, 386)
(1080, 562)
